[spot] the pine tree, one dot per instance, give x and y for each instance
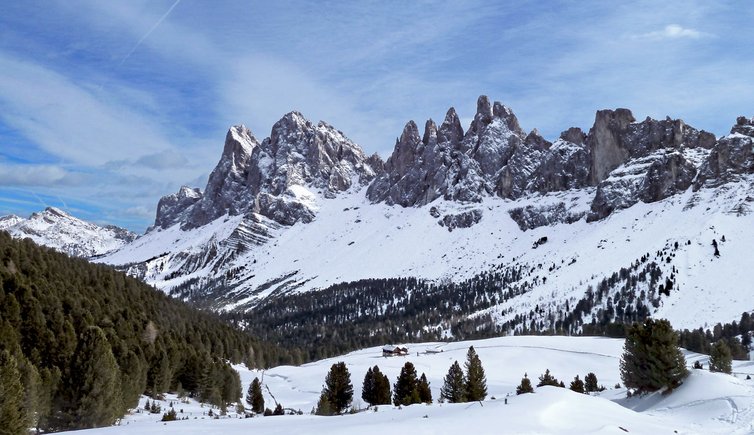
(590, 383)
(405, 390)
(13, 417)
(369, 388)
(382, 387)
(324, 407)
(454, 386)
(720, 358)
(476, 381)
(254, 397)
(94, 383)
(525, 386)
(425, 393)
(577, 385)
(548, 379)
(651, 358)
(338, 388)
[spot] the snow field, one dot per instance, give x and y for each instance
(707, 403)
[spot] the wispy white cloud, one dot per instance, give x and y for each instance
(673, 31)
(33, 175)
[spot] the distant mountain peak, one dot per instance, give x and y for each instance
(61, 231)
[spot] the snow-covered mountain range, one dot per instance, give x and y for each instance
(305, 208)
(57, 229)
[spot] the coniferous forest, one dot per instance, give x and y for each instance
(79, 343)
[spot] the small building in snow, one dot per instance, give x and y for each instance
(391, 350)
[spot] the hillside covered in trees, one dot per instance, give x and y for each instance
(79, 343)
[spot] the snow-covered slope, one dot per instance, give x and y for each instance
(352, 239)
(59, 230)
(707, 403)
(296, 212)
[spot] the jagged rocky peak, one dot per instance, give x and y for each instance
(446, 162)
(297, 153)
(731, 157)
(565, 165)
(430, 133)
(227, 188)
(450, 130)
(536, 141)
(172, 209)
(744, 126)
(574, 135)
(301, 153)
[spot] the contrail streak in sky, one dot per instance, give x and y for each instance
(149, 32)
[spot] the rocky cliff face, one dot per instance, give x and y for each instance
(731, 156)
(275, 177)
(172, 209)
(446, 163)
(627, 161)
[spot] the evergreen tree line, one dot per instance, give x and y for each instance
(409, 387)
(84, 341)
(586, 386)
(354, 315)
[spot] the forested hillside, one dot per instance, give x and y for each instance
(79, 343)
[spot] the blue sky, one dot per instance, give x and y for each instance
(105, 106)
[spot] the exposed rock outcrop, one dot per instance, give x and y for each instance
(565, 165)
(647, 179)
(173, 208)
(531, 217)
(731, 156)
(464, 219)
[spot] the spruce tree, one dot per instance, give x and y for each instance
(254, 397)
(13, 417)
(651, 358)
(425, 393)
(476, 381)
(369, 388)
(382, 387)
(405, 390)
(324, 407)
(453, 389)
(94, 383)
(720, 358)
(590, 383)
(547, 379)
(338, 388)
(577, 385)
(525, 385)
